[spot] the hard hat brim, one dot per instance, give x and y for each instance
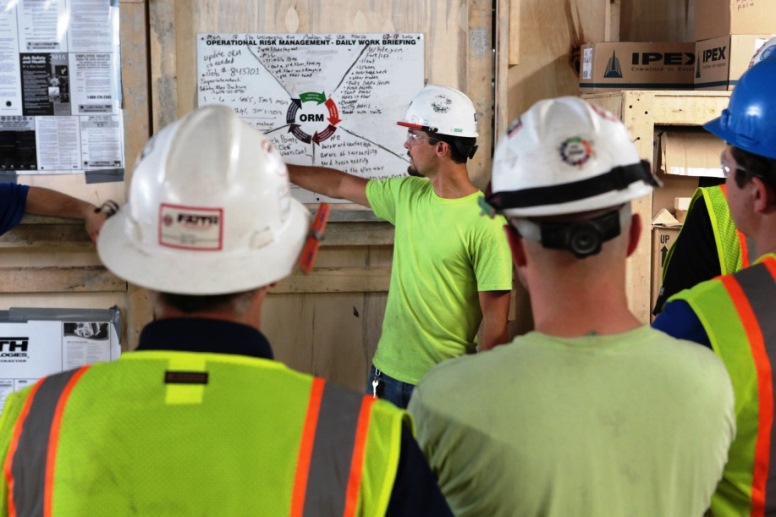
(202, 273)
(717, 128)
(411, 126)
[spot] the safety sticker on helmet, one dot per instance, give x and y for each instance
(576, 151)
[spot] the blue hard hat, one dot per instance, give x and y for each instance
(749, 121)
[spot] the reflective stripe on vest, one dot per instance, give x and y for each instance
(732, 245)
(746, 343)
(31, 458)
(329, 466)
(753, 291)
(331, 454)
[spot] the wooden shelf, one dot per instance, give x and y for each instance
(641, 111)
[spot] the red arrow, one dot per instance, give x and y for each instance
(333, 113)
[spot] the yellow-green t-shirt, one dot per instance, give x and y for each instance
(445, 252)
(635, 424)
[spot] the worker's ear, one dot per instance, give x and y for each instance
(516, 245)
(634, 233)
(764, 196)
(442, 148)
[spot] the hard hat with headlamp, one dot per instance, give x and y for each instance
(567, 156)
(209, 211)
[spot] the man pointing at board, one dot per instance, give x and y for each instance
(451, 268)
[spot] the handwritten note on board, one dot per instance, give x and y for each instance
(329, 100)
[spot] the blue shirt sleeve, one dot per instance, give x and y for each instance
(680, 321)
(13, 200)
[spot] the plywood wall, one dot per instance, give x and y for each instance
(657, 20)
(49, 262)
(549, 34)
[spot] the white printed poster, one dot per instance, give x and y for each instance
(30, 350)
(329, 100)
(59, 63)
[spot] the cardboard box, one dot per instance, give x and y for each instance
(637, 65)
(723, 17)
(673, 187)
(665, 229)
(681, 206)
(39, 342)
(721, 61)
(690, 153)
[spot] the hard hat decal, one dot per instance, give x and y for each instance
(510, 158)
(576, 151)
(441, 104)
(765, 51)
(514, 127)
(191, 228)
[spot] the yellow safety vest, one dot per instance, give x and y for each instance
(737, 312)
(178, 433)
(732, 245)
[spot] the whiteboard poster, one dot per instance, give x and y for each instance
(330, 100)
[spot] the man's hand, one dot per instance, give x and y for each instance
(43, 201)
(94, 219)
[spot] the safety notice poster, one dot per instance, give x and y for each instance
(329, 100)
(60, 105)
(34, 348)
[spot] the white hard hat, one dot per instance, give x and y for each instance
(767, 50)
(566, 156)
(209, 211)
(442, 110)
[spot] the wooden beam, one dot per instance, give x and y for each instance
(358, 234)
(337, 280)
(164, 73)
(479, 76)
(507, 32)
(59, 279)
(46, 236)
(512, 24)
(62, 233)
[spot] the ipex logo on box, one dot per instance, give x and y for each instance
(637, 65)
(722, 60)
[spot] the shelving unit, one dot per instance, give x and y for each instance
(642, 111)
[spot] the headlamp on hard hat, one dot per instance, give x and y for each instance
(582, 238)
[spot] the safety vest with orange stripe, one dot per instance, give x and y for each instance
(737, 314)
(177, 433)
(732, 245)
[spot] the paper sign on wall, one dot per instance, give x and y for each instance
(35, 343)
(329, 100)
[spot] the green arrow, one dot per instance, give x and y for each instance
(320, 98)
